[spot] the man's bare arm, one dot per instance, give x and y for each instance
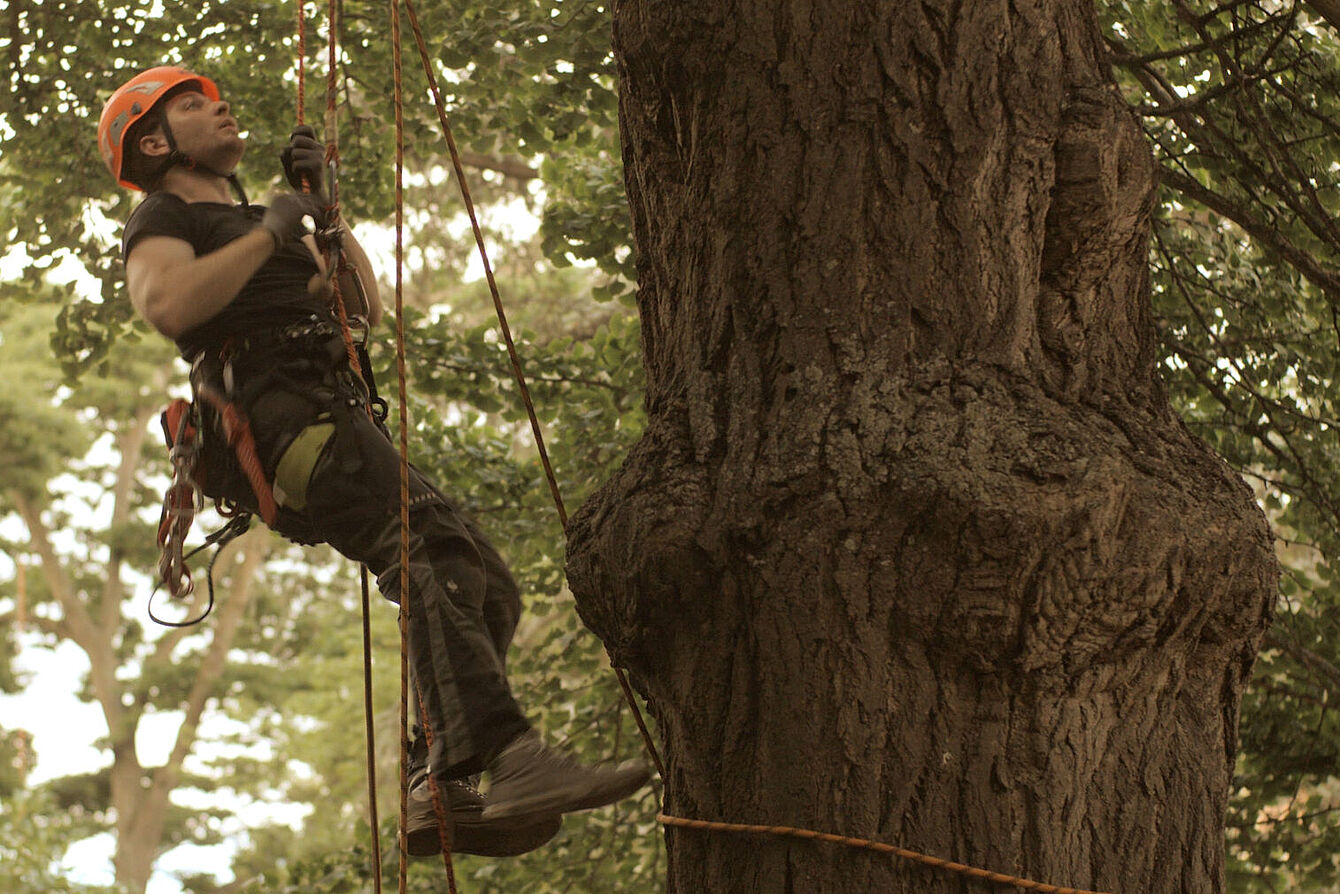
(175, 291)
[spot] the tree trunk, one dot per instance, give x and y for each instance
(139, 799)
(913, 547)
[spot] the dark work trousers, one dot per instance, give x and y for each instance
(463, 603)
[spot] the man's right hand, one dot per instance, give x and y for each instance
(284, 216)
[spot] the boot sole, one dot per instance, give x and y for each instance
(485, 838)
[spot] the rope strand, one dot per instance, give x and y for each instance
(511, 347)
(370, 732)
(302, 60)
(439, 806)
(876, 846)
(488, 267)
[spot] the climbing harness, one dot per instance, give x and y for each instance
(184, 497)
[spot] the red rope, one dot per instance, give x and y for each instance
(484, 257)
(302, 59)
(878, 847)
(511, 347)
(333, 211)
(337, 303)
(237, 431)
(369, 732)
(439, 806)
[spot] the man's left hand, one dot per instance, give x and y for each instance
(304, 158)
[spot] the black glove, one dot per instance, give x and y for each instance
(304, 157)
(284, 216)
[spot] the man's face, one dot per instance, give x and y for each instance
(204, 129)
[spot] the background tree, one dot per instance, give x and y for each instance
(84, 555)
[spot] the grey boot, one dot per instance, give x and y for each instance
(468, 831)
(529, 778)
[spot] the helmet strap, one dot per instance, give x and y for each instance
(176, 157)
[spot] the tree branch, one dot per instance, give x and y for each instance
(1324, 278)
(254, 547)
(1327, 673)
(508, 167)
(130, 443)
(1327, 9)
(94, 640)
(1119, 56)
(80, 623)
(46, 625)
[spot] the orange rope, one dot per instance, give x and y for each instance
(484, 257)
(337, 302)
(511, 347)
(369, 730)
(439, 806)
(333, 211)
(302, 59)
(877, 846)
(404, 436)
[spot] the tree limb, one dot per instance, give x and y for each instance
(46, 625)
(130, 444)
(1327, 673)
(254, 547)
(1328, 10)
(96, 641)
(80, 623)
(508, 167)
(1324, 278)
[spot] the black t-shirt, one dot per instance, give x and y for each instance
(275, 296)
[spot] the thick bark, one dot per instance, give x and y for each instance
(913, 547)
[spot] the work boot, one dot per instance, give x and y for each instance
(468, 832)
(530, 779)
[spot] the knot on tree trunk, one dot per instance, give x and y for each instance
(1002, 529)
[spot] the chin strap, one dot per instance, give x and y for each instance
(176, 157)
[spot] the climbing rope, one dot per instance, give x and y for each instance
(876, 846)
(334, 267)
(369, 730)
(511, 346)
(439, 804)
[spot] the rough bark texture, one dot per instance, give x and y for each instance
(913, 547)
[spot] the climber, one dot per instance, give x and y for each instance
(241, 289)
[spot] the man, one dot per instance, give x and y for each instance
(238, 287)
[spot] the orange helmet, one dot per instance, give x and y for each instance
(131, 102)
